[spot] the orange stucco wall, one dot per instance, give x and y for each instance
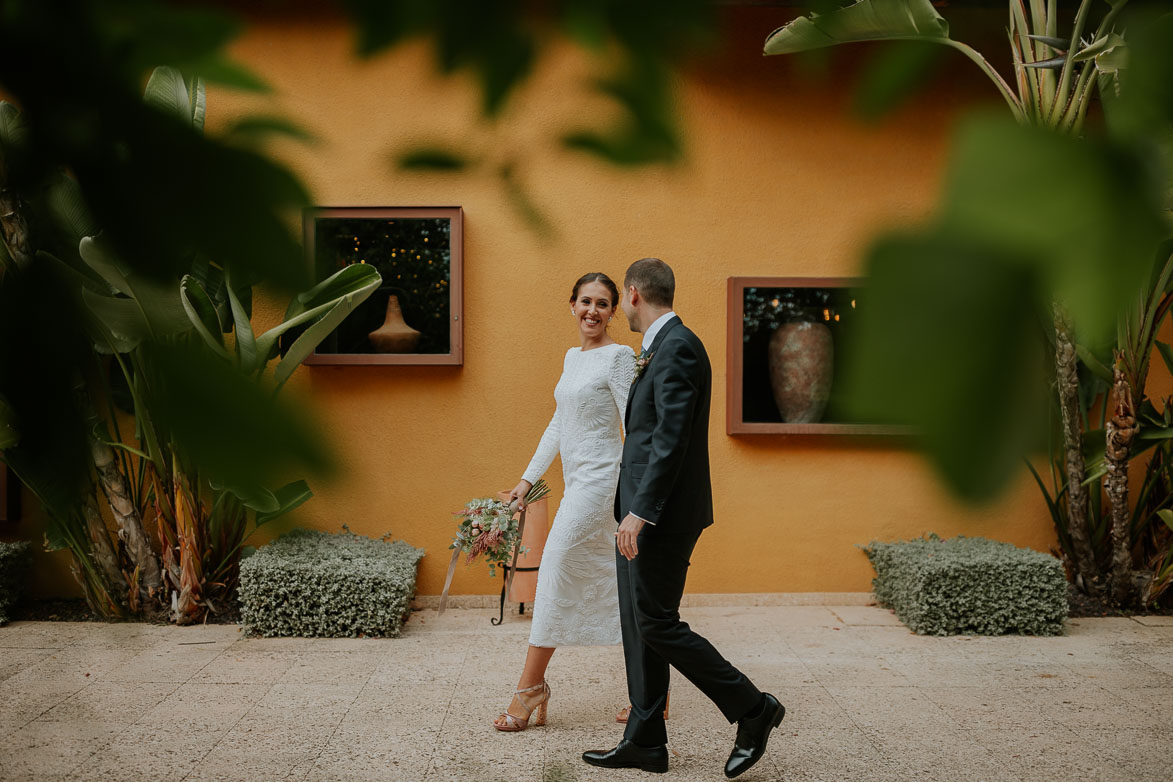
(780, 179)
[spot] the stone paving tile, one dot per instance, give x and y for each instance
(391, 712)
(342, 762)
(14, 660)
(247, 667)
(21, 703)
(941, 754)
(122, 635)
(200, 708)
(42, 635)
(866, 616)
(1121, 674)
(53, 748)
(1144, 753)
(856, 670)
(419, 664)
(1154, 621)
(1047, 754)
(109, 702)
(257, 643)
(888, 709)
(352, 666)
(866, 700)
(165, 661)
(511, 757)
(985, 672)
(164, 751)
(834, 754)
(75, 664)
(980, 708)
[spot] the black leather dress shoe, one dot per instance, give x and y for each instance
(752, 734)
(629, 755)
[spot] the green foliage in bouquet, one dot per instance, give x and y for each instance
(487, 528)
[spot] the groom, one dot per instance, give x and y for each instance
(664, 500)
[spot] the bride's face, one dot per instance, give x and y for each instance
(592, 309)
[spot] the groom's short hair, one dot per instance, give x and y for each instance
(653, 279)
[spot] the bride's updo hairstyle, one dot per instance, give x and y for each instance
(598, 277)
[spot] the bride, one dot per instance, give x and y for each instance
(577, 600)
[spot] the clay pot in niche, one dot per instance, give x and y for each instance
(394, 336)
(801, 360)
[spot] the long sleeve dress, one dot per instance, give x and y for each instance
(577, 600)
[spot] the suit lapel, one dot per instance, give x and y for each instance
(671, 324)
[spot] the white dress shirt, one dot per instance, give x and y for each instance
(654, 329)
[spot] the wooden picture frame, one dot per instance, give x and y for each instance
(419, 251)
(744, 408)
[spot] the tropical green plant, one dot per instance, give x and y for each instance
(1132, 541)
(204, 504)
(1038, 210)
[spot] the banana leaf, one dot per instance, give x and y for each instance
(323, 307)
(867, 20)
(68, 207)
(1097, 367)
(881, 20)
(289, 497)
(202, 312)
(246, 342)
(258, 498)
(160, 312)
(185, 100)
(14, 130)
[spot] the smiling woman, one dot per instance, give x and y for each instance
(593, 302)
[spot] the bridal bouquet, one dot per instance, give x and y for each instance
(487, 528)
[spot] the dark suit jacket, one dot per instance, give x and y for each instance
(664, 474)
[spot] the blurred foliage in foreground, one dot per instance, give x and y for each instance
(1051, 237)
(132, 242)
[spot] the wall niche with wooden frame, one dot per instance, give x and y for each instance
(785, 346)
(415, 316)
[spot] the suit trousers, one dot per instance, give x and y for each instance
(654, 637)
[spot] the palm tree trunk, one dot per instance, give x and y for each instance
(186, 605)
(1120, 431)
(130, 523)
(1067, 381)
(13, 226)
(103, 553)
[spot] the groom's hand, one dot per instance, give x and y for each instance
(626, 534)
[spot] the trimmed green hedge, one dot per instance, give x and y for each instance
(311, 583)
(15, 562)
(970, 586)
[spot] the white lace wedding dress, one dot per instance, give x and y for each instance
(577, 601)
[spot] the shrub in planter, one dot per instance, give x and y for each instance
(15, 561)
(311, 583)
(970, 585)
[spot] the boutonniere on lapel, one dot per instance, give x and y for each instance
(641, 362)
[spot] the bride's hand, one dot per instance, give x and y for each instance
(519, 492)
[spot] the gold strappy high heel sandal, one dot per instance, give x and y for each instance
(626, 710)
(535, 709)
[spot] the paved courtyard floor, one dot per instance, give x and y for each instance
(866, 700)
